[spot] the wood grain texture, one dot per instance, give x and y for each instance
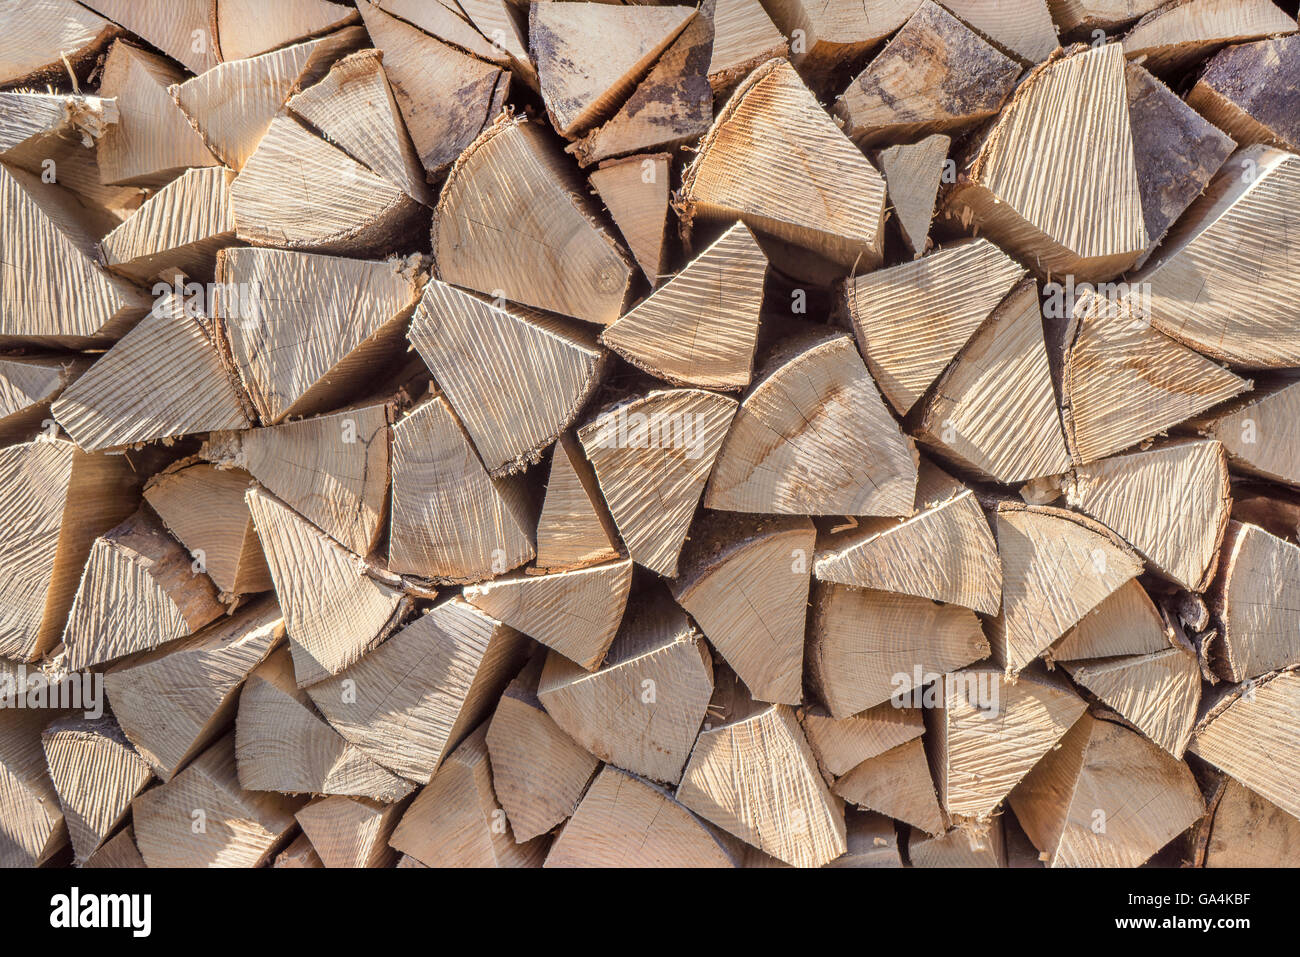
(1158, 693)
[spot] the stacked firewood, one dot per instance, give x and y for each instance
(860, 433)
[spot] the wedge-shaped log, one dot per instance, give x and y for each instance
(1054, 182)
(334, 611)
(652, 456)
(574, 529)
(841, 744)
(836, 32)
(777, 161)
(172, 702)
(1022, 28)
(516, 377)
(28, 384)
(55, 502)
(964, 846)
(551, 251)
(32, 825)
(912, 173)
(96, 773)
(635, 191)
(1253, 599)
(203, 818)
(1158, 693)
(865, 647)
(700, 328)
(936, 75)
(414, 698)
(1258, 432)
(1237, 824)
(642, 710)
(140, 589)
(1125, 622)
(744, 36)
(169, 25)
(1174, 36)
(282, 744)
(1105, 798)
(246, 27)
(896, 783)
(451, 521)
(51, 37)
(119, 851)
(455, 820)
(813, 437)
(349, 831)
(871, 839)
(1073, 16)
(1242, 92)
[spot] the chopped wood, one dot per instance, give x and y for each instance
(34, 48)
(32, 824)
(1158, 693)
(182, 29)
(871, 841)
(652, 456)
(1247, 830)
(841, 744)
(625, 821)
(1023, 28)
(896, 783)
(1084, 16)
(834, 32)
(350, 831)
(635, 191)
(935, 76)
(1177, 34)
(299, 854)
(965, 846)
(812, 437)
(448, 21)
(1253, 600)
(743, 37)
(117, 852)
(1242, 92)
(701, 327)
(513, 255)
(455, 820)
(96, 773)
(641, 711)
(1125, 622)
(575, 529)
(28, 384)
(246, 28)
(1256, 431)
(515, 377)
(912, 173)
(576, 612)
(413, 699)
(865, 647)
(775, 160)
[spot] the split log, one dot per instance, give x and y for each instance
(1105, 798)
(334, 611)
(590, 57)
(1242, 92)
(348, 449)
(1066, 124)
(812, 437)
(299, 854)
(866, 647)
(652, 456)
(515, 377)
(1250, 733)
(1170, 503)
(546, 247)
(305, 330)
(1122, 381)
(912, 175)
(1084, 16)
(701, 327)
(350, 832)
(945, 551)
(163, 379)
(152, 142)
(447, 21)
(935, 76)
(988, 732)
(1172, 37)
(1125, 622)
(96, 773)
(32, 825)
(994, 410)
(1219, 254)
(503, 22)
(896, 783)
(298, 192)
(447, 97)
(1247, 830)
(246, 28)
(755, 777)
(575, 612)
(775, 160)
(118, 852)
(451, 521)
(232, 104)
(539, 773)
(575, 529)
(28, 384)
(836, 32)
(455, 821)
(912, 319)
(965, 846)
(282, 744)
(841, 744)
(181, 30)
(642, 710)
(203, 818)
(1275, 510)
(1056, 567)
(1158, 693)
(871, 841)
(204, 509)
(1175, 151)
(635, 192)
(624, 821)
(140, 589)
(172, 702)
(1023, 28)
(56, 294)
(181, 227)
(1253, 599)
(354, 108)
(672, 107)
(412, 700)
(1257, 432)
(51, 39)
(745, 582)
(744, 37)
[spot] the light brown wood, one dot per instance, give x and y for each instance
(896, 783)
(1177, 34)
(1241, 92)
(964, 846)
(1252, 601)
(574, 529)
(912, 174)
(743, 37)
(1086, 15)
(1125, 622)
(1240, 823)
(182, 29)
(1022, 28)
(119, 851)
(1157, 693)
(635, 191)
(350, 832)
(841, 744)
(32, 824)
(1256, 434)
(32, 51)
(835, 32)
(871, 839)
(246, 28)
(27, 387)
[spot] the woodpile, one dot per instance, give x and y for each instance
(567, 434)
